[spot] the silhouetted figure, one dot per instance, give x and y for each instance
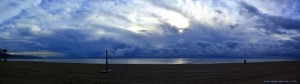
(245, 61)
(5, 55)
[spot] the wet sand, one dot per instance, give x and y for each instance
(71, 73)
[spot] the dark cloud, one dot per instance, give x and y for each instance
(248, 9)
(203, 44)
(275, 23)
(270, 22)
(231, 44)
(74, 43)
(294, 42)
(219, 11)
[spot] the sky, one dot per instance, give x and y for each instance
(150, 28)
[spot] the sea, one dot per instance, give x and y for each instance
(155, 60)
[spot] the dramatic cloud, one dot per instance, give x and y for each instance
(231, 44)
(150, 28)
(202, 44)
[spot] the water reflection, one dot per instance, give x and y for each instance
(154, 61)
(180, 61)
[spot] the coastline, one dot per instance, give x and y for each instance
(13, 72)
(157, 60)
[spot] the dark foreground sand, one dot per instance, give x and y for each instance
(67, 73)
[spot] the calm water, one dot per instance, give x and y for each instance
(154, 61)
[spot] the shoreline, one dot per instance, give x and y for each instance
(155, 61)
(75, 73)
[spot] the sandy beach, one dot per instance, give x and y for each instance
(71, 73)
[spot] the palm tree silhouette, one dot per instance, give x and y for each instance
(4, 50)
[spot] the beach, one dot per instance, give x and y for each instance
(74, 73)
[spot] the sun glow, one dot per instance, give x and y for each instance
(180, 30)
(174, 19)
